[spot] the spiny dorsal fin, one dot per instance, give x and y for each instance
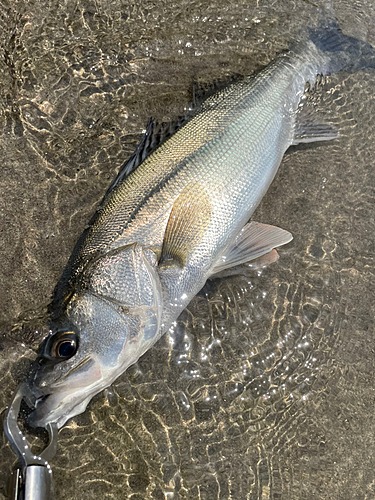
(155, 135)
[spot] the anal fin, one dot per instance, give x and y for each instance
(309, 129)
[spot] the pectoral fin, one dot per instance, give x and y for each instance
(254, 241)
(189, 219)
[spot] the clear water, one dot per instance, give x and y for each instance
(265, 390)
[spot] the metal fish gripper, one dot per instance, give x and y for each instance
(32, 478)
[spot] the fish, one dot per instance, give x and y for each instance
(176, 215)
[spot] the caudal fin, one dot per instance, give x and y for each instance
(345, 52)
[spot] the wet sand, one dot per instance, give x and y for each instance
(265, 389)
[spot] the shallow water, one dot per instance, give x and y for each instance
(265, 389)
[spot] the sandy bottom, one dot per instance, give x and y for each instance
(265, 390)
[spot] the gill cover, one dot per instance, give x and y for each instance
(116, 312)
(120, 303)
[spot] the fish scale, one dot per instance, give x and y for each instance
(178, 217)
(235, 116)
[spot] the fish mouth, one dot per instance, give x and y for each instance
(62, 398)
(51, 408)
(33, 396)
(44, 405)
(57, 408)
(41, 399)
(37, 418)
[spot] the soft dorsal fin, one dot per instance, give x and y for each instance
(202, 92)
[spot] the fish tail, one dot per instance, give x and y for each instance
(343, 52)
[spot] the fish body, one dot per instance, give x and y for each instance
(177, 219)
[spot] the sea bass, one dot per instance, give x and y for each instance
(174, 218)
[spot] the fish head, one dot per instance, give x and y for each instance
(111, 319)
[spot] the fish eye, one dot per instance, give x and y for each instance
(62, 345)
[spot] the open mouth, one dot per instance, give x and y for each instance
(41, 399)
(35, 403)
(25, 408)
(33, 398)
(37, 415)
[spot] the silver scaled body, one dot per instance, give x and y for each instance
(163, 230)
